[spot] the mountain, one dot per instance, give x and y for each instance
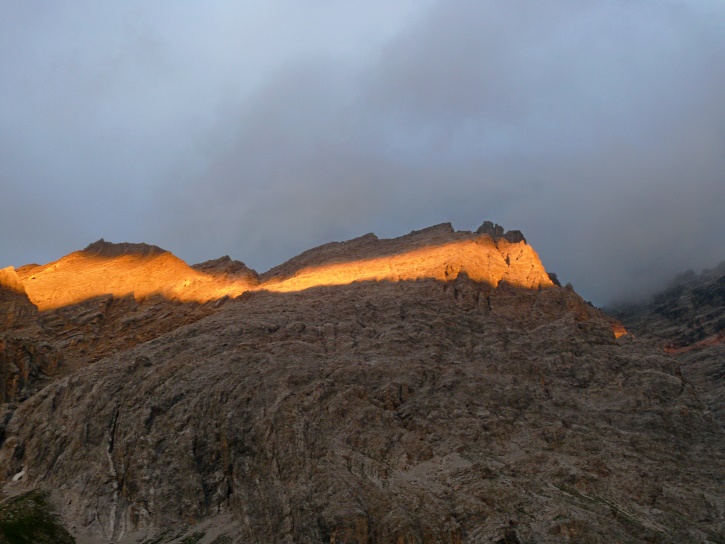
(687, 321)
(437, 387)
(104, 268)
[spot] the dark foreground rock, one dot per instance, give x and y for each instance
(409, 412)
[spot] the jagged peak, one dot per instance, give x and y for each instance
(225, 265)
(496, 231)
(101, 248)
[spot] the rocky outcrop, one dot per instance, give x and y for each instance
(37, 347)
(227, 268)
(72, 337)
(90, 330)
(101, 248)
(687, 320)
(109, 297)
(142, 271)
(16, 310)
(496, 231)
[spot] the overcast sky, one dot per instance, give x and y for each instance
(260, 129)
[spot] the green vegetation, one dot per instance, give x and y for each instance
(28, 519)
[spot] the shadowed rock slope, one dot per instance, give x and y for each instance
(436, 410)
(687, 320)
(16, 310)
(24, 358)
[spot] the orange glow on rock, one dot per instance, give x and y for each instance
(618, 329)
(10, 280)
(78, 277)
(81, 276)
(483, 260)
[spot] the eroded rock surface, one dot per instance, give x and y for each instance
(687, 320)
(410, 411)
(16, 310)
(449, 407)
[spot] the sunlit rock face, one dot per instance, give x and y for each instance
(437, 252)
(483, 405)
(143, 270)
(123, 269)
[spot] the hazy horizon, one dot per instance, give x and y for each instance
(265, 129)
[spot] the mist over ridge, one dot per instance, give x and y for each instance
(261, 131)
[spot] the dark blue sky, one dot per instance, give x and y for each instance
(597, 128)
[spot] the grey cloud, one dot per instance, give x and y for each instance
(597, 128)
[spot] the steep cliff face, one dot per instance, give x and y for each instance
(227, 268)
(143, 270)
(16, 310)
(482, 405)
(25, 359)
(687, 320)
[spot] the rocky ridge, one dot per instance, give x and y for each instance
(142, 270)
(25, 360)
(687, 321)
(109, 297)
(120, 270)
(478, 403)
(437, 252)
